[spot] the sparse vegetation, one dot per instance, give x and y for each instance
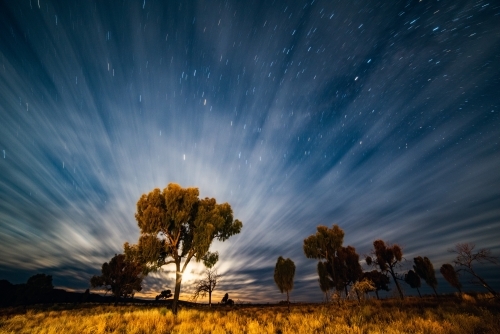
(413, 315)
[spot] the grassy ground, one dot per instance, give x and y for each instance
(413, 315)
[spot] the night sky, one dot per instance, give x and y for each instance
(381, 117)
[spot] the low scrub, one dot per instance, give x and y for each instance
(386, 316)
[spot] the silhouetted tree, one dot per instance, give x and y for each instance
(7, 293)
(323, 245)
(226, 301)
(176, 226)
(451, 276)
(121, 276)
(206, 285)
(466, 257)
(37, 289)
(424, 268)
(387, 258)
(380, 280)
(165, 294)
(413, 280)
(284, 272)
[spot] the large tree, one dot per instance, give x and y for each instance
(283, 276)
(323, 245)
(467, 257)
(177, 226)
(451, 276)
(121, 276)
(424, 268)
(387, 258)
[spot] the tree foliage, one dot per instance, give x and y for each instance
(380, 280)
(413, 280)
(387, 258)
(121, 276)
(451, 276)
(177, 226)
(467, 258)
(284, 272)
(206, 285)
(424, 268)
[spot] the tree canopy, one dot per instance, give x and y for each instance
(177, 226)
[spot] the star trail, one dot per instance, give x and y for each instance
(381, 117)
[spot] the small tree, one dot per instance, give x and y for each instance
(226, 301)
(467, 257)
(451, 276)
(165, 294)
(387, 258)
(206, 285)
(121, 276)
(380, 280)
(283, 276)
(413, 281)
(362, 287)
(424, 268)
(176, 227)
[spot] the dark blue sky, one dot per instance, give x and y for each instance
(380, 117)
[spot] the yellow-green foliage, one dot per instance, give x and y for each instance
(411, 316)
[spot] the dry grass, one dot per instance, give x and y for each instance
(390, 316)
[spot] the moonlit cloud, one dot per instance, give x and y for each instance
(296, 114)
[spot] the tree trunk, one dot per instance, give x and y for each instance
(210, 298)
(288, 300)
(418, 290)
(376, 292)
(178, 280)
(396, 281)
(435, 292)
